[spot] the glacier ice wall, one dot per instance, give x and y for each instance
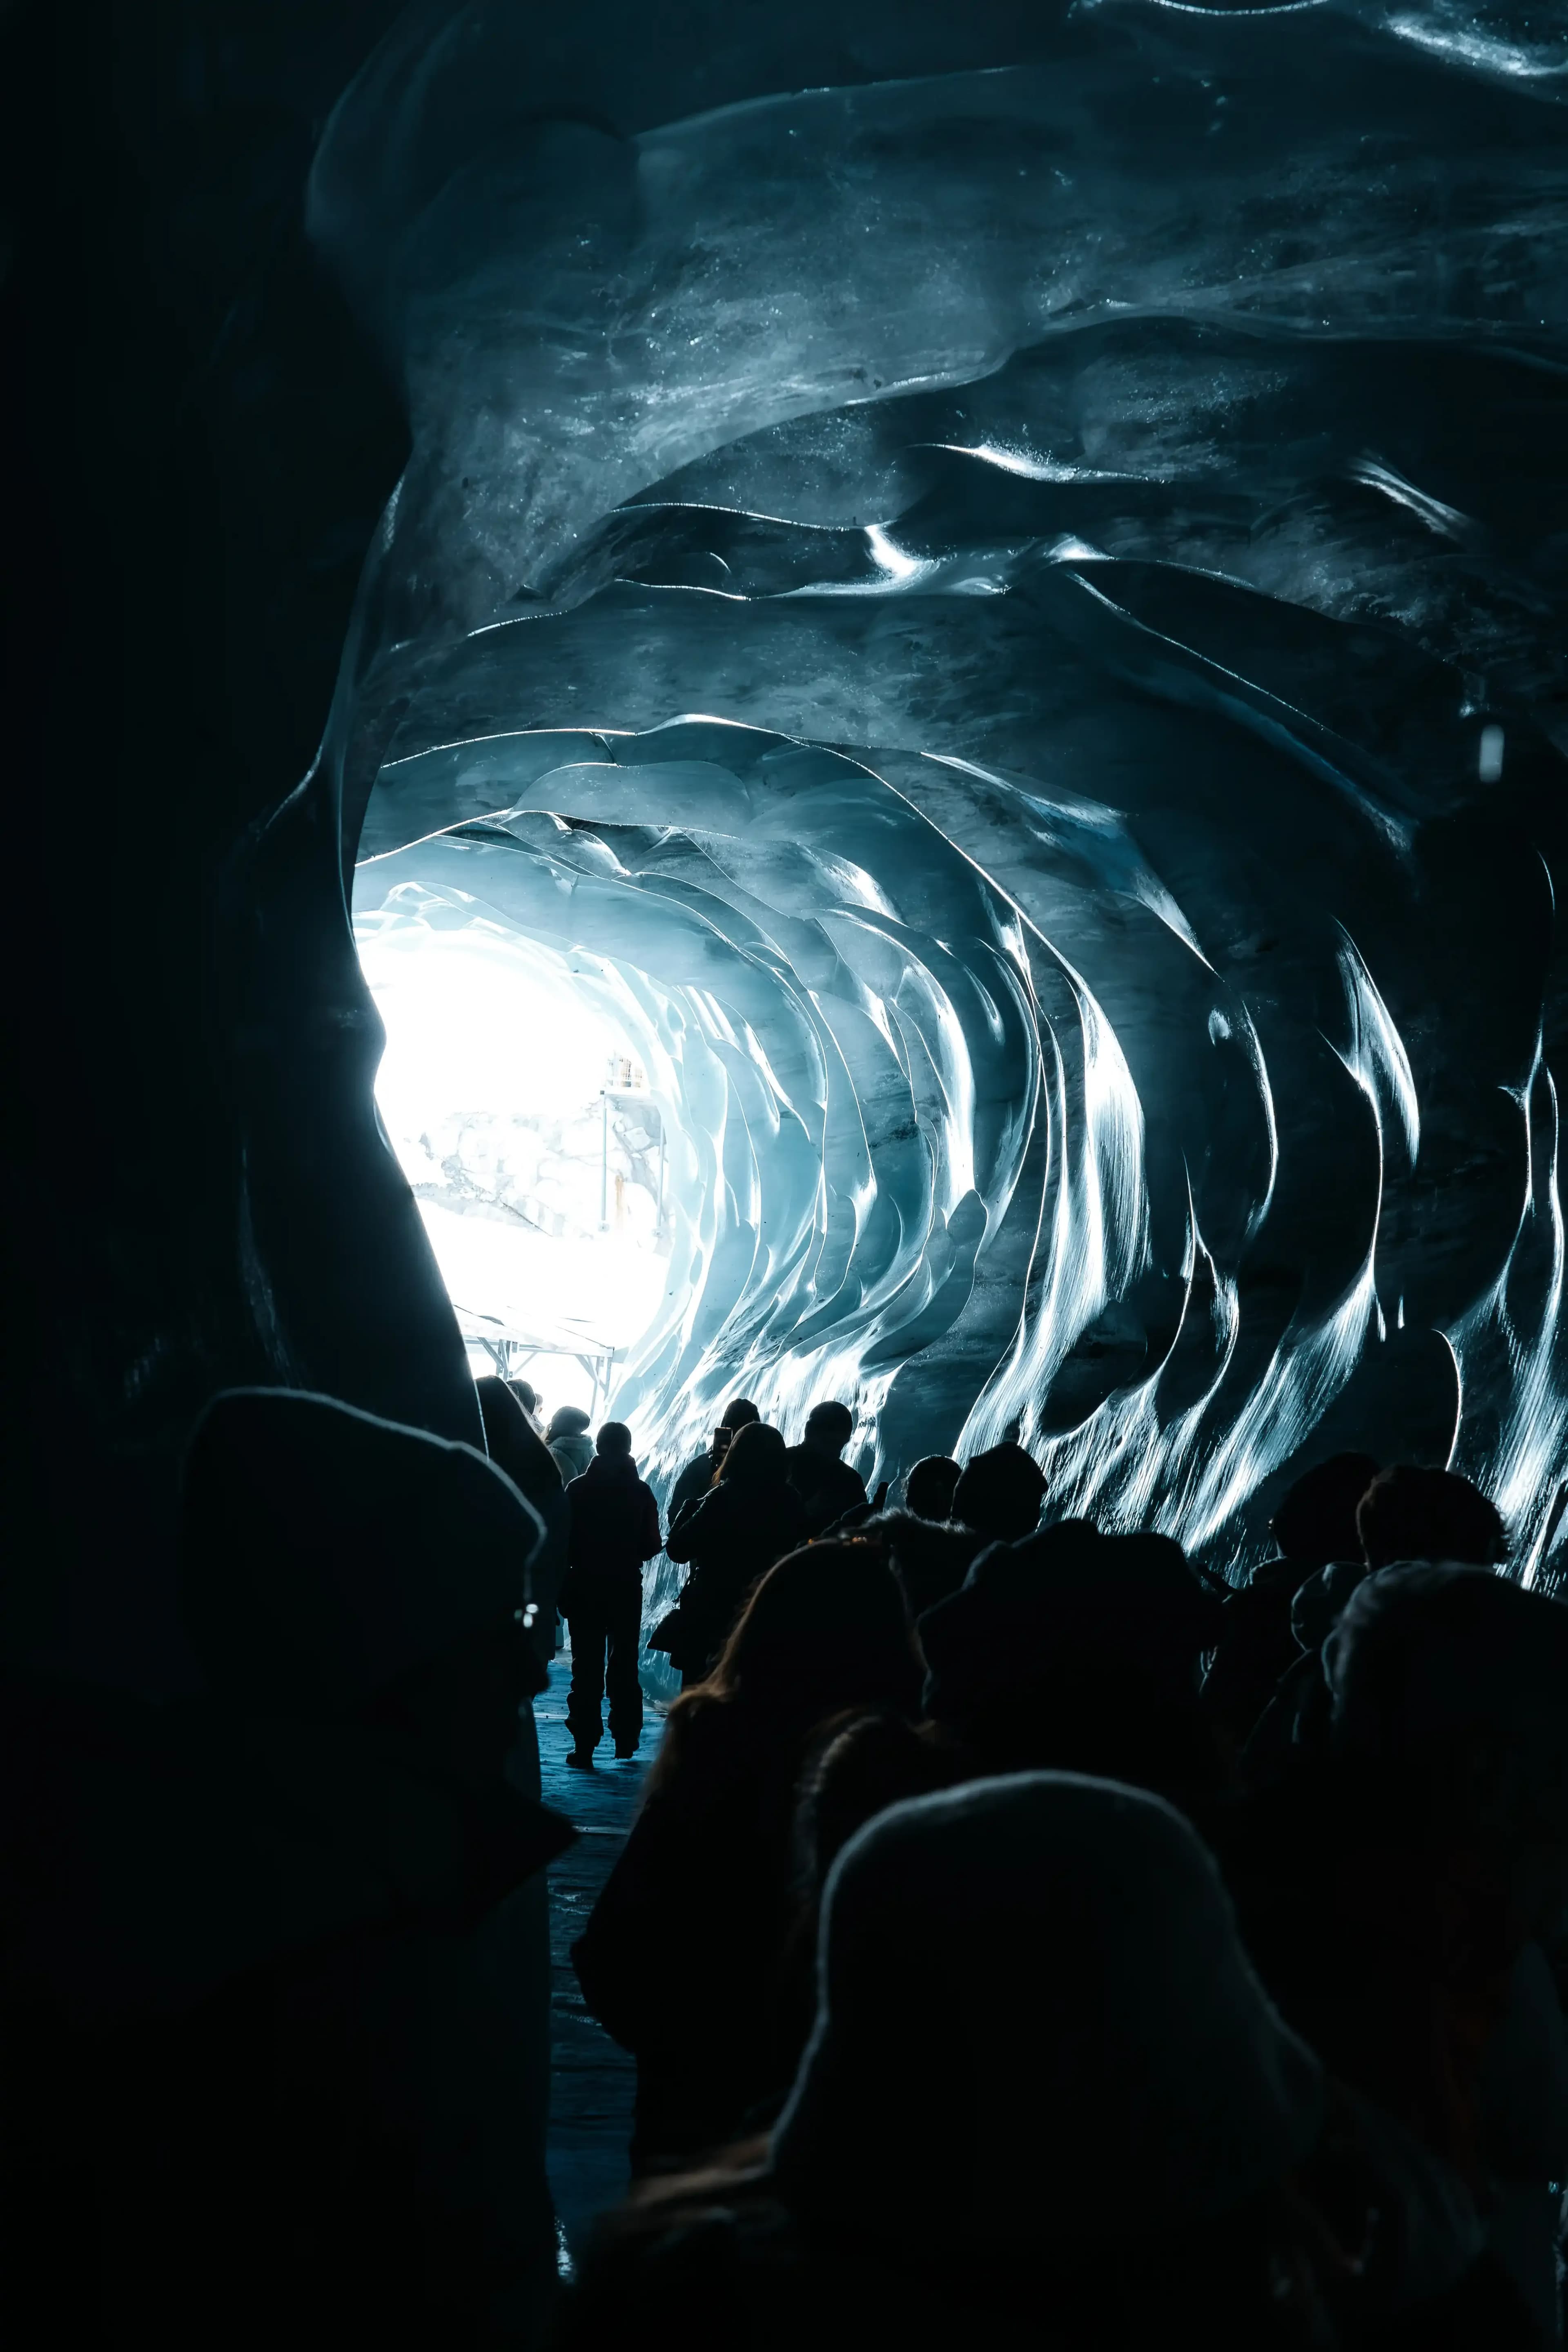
(1005, 611)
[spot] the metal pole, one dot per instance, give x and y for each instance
(605, 1160)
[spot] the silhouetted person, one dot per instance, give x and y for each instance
(930, 1557)
(1397, 1898)
(1412, 1514)
(1404, 1513)
(615, 1529)
(571, 1447)
(515, 1447)
(699, 1476)
(527, 1396)
(825, 1483)
(928, 1486)
(731, 1537)
(1000, 1493)
(1047, 2100)
(1079, 1651)
(1314, 1524)
(352, 2122)
(1071, 1649)
(682, 1957)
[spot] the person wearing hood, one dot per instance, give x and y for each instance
(1046, 2097)
(614, 1530)
(1404, 1898)
(515, 1447)
(571, 1447)
(322, 2003)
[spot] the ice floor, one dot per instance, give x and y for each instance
(592, 2081)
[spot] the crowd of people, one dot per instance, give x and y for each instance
(1023, 1924)
(1023, 1927)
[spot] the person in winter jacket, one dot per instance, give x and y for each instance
(732, 1537)
(571, 1447)
(818, 1473)
(701, 1474)
(681, 1958)
(515, 1447)
(615, 1529)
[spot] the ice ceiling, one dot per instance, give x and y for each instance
(1004, 629)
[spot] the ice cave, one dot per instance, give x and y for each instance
(861, 704)
(996, 624)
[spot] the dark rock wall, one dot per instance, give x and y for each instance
(199, 444)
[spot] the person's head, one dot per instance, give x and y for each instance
(1315, 1521)
(930, 1557)
(755, 1457)
(1320, 1601)
(1449, 1685)
(566, 1420)
(1031, 1992)
(928, 1486)
(825, 1630)
(511, 1441)
(336, 1565)
(1076, 1650)
(526, 1394)
(739, 1414)
(1000, 1493)
(1412, 1514)
(829, 1427)
(614, 1442)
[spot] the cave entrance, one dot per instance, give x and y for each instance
(535, 1145)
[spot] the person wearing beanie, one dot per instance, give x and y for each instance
(1046, 2096)
(330, 1559)
(1000, 1494)
(358, 2125)
(613, 1531)
(571, 1447)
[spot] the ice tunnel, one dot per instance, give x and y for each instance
(995, 628)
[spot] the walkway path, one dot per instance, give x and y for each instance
(591, 2080)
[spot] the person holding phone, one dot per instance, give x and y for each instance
(699, 1476)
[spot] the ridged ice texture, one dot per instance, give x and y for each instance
(1110, 513)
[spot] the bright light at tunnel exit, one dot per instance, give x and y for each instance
(522, 1120)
